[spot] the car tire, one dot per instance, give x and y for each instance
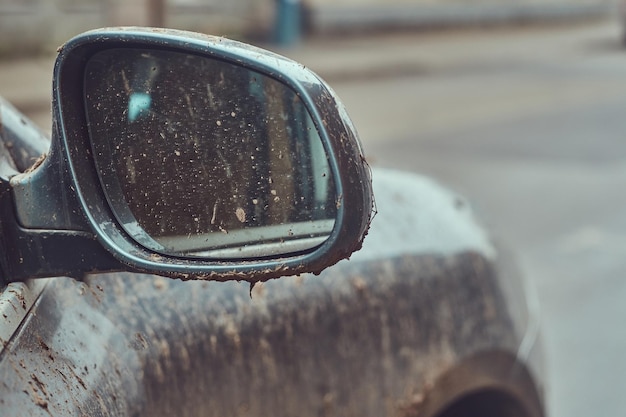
(486, 403)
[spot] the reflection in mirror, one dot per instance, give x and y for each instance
(202, 158)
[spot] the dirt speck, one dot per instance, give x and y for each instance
(159, 283)
(40, 402)
(241, 214)
(412, 405)
(140, 342)
(43, 345)
(359, 285)
(79, 379)
(37, 163)
(257, 290)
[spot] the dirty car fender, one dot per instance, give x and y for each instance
(370, 336)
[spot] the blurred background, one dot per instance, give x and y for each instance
(520, 105)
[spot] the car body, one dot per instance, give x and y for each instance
(429, 318)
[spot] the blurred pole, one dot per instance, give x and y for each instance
(156, 13)
(136, 12)
(288, 25)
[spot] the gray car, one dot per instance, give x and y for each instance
(181, 249)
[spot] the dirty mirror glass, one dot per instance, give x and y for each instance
(202, 158)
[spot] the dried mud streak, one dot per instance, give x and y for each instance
(305, 345)
(61, 365)
(302, 345)
(40, 160)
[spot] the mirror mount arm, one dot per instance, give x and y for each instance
(45, 197)
(36, 253)
(44, 232)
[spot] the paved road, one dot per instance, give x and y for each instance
(530, 124)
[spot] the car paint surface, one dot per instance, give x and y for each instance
(428, 311)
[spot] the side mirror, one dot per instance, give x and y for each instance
(189, 156)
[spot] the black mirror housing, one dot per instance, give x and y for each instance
(66, 199)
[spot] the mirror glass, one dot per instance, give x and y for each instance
(202, 158)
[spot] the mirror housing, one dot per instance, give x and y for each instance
(66, 200)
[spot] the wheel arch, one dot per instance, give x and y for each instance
(489, 384)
